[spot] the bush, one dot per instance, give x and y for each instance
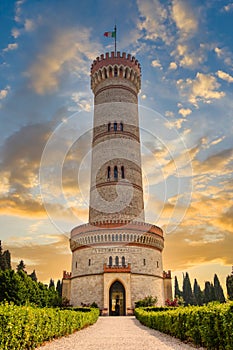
(209, 326)
(147, 301)
(26, 327)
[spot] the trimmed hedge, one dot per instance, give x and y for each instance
(26, 327)
(209, 326)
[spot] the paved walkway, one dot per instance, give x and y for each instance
(117, 333)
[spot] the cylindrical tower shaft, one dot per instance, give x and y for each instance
(116, 192)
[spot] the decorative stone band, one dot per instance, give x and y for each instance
(115, 86)
(130, 234)
(121, 183)
(132, 273)
(113, 133)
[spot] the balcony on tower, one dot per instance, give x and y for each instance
(117, 268)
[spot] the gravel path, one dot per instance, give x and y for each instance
(114, 333)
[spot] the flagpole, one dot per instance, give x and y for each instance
(115, 39)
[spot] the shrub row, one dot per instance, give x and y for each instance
(209, 326)
(26, 327)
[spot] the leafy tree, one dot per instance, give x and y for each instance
(229, 283)
(197, 293)
(219, 295)
(187, 291)
(21, 266)
(178, 293)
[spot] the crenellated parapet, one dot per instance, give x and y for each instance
(122, 66)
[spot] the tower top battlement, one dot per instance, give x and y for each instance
(111, 59)
(123, 66)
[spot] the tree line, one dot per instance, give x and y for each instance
(21, 288)
(211, 292)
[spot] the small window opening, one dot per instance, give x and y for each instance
(109, 172)
(117, 261)
(121, 127)
(115, 173)
(144, 262)
(123, 260)
(89, 262)
(115, 126)
(109, 126)
(110, 261)
(122, 172)
(115, 72)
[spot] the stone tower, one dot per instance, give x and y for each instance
(116, 257)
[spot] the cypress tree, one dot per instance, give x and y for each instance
(177, 292)
(59, 288)
(7, 259)
(187, 291)
(229, 283)
(219, 295)
(51, 284)
(33, 276)
(207, 292)
(197, 293)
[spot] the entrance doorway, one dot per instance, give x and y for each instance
(117, 299)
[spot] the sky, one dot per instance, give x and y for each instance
(185, 49)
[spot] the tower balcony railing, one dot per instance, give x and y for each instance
(117, 268)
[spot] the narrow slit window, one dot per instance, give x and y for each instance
(117, 261)
(109, 172)
(121, 127)
(115, 173)
(122, 172)
(109, 126)
(144, 262)
(115, 126)
(123, 260)
(89, 262)
(110, 261)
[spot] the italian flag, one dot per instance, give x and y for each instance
(110, 34)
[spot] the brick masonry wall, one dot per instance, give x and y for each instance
(87, 273)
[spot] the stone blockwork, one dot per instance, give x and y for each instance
(87, 290)
(91, 260)
(116, 257)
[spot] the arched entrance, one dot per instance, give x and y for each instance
(117, 299)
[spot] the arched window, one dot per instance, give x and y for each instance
(109, 172)
(123, 261)
(110, 261)
(109, 126)
(115, 173)
(122, 172)
(117, 261)
(105, 73)
(121, 126)
(115, 126)
(115, 72)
